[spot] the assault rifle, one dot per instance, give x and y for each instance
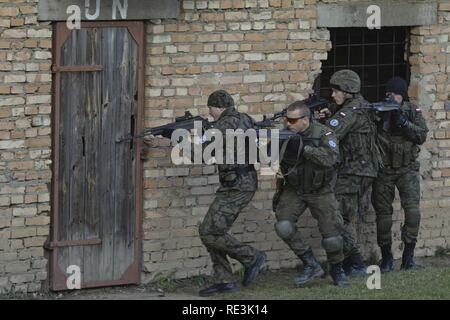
(384, 111)
(314, 103)
(184, 122)
(389, 104)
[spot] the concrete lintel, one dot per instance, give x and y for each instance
(393, 13)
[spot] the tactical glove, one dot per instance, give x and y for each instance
(399, 118)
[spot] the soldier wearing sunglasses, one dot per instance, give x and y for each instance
(307, 181)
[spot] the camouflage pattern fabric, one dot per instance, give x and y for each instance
(359, 161)
(356, 131)
(350, 192)
(346, 80)
(309, 183)
(407, 181)
(324, 208)
(238, 177)
(238, 184)
(214, 233)
(400, 149)
(315, 170)
(400, 146)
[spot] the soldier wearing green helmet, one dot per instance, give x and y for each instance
(356, 131)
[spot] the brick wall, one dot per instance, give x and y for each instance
(25, 141)
(266, 53)
(430, 87)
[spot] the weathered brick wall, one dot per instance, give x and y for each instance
(266, 53)
(430, 87)
(25, 140)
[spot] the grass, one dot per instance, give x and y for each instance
(426, 283)
(173, 285)
(431, 282)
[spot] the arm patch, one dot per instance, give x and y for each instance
(334, 122)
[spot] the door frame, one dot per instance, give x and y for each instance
(57, 277)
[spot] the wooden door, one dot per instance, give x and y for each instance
(96, 198)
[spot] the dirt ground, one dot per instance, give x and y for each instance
(187, 289)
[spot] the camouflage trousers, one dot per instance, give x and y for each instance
(214, 233)
(407, 181)
(351, 192)
(324, 208)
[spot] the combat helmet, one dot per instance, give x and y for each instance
(346, 80)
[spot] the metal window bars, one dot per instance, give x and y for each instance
(376, 55)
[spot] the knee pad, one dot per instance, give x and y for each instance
(412, 217)
(285, 229)
(332, 244)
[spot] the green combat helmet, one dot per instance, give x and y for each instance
(346, 80)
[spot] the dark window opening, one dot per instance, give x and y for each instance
(376, 55)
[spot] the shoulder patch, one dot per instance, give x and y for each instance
(332, 144)
(334, 122)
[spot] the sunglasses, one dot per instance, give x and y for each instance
(293, 120)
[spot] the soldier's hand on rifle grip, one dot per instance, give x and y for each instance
(324, 113)
(399, 118)
(150, 141)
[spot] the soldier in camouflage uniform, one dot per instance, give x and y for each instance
(238, 183)
(355, 129)
(399, 141)
(307, 167)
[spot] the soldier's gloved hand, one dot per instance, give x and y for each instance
(399, 118)
(324, 113)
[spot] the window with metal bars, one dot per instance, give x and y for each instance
(376, 55)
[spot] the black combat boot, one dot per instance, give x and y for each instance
(347, 264)
(225, 287)
(252, 272)
(338, 275)
(311, 269)
(387, 260)
(353, 265)
(358, 268)
(408, 262)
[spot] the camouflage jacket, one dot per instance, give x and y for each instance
(355, 129)
(312, 171)
(400, 146)
(239, 177)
